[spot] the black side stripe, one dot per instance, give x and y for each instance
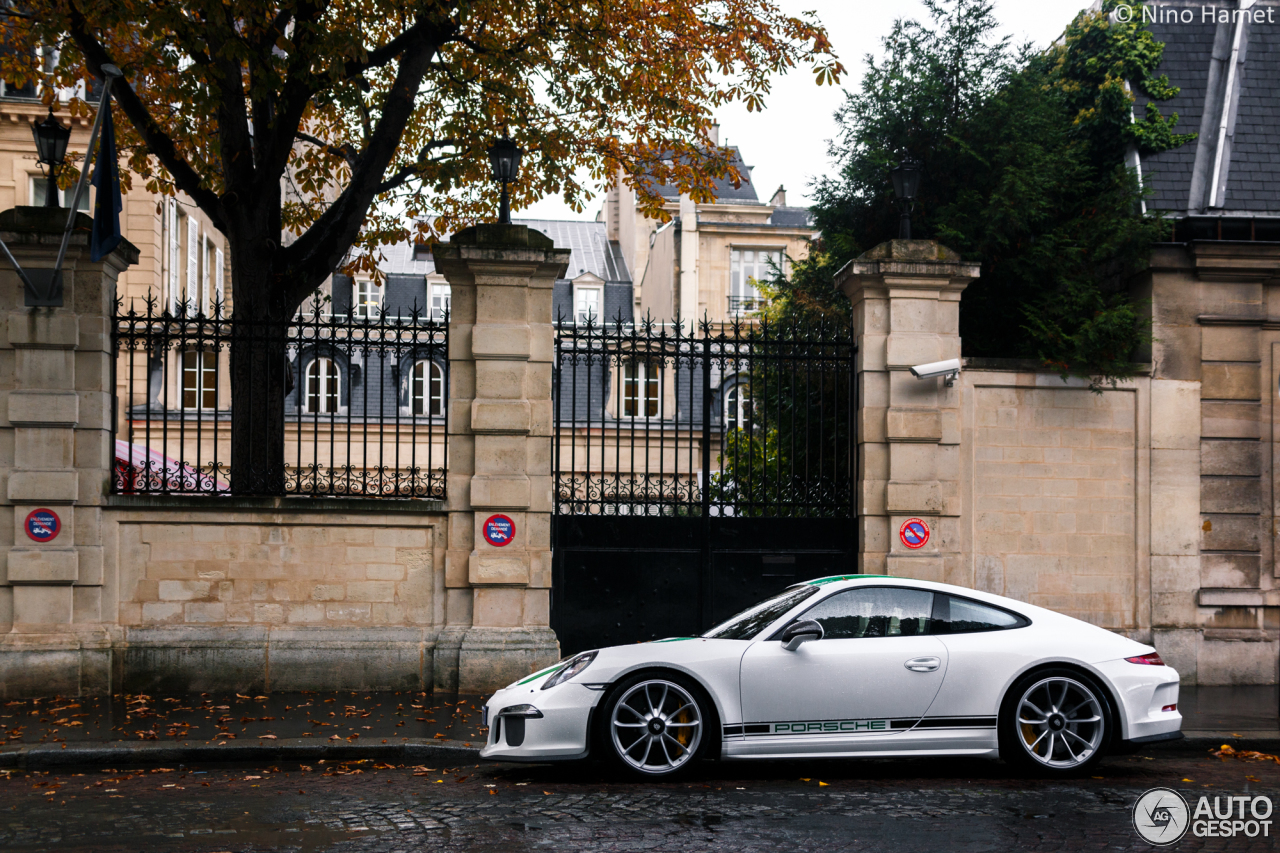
(947, 723)
(927, 723)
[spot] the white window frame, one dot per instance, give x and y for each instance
(736, 405)
(205, 374)
(426, 389)
(361, 302)
(744, 297)
(585, 290)
(37, 184)
(322, 369)
(441, 296)
(641, 382)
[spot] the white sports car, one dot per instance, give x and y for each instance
(850, 666)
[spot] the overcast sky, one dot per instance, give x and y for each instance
(787, 142)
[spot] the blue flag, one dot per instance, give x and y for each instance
(107, 206)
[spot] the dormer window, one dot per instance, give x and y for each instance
(588, 299)
(366, 300)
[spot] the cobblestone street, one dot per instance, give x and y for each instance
(934, 805)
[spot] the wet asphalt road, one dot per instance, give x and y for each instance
(924, 804)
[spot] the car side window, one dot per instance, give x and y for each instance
(952, 615)
(873, 612)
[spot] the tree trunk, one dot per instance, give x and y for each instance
(259, 369)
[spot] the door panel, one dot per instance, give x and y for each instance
(864, 679)
(873, 674)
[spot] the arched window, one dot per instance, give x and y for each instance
(737, 405)
(322, 387)
(426, 389)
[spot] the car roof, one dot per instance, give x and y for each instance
(837, 582)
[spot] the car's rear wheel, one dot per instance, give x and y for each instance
(1056, 722)
(656, 726)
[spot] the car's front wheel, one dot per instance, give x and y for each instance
(1056, 722)
(655, 725)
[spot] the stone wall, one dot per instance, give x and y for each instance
(1054, 505)
(253, 568)
(239, 594)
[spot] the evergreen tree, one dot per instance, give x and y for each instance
(1024, 172)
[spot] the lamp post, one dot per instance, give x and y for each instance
(504, 157)
(51, 149)
(906, 180)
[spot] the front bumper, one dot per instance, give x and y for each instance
(558, 735)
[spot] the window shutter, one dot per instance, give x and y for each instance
(204, 273)
(171, 286)
(217, 273)
(193, 260)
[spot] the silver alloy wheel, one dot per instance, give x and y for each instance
(1060, 722)
(656, 726)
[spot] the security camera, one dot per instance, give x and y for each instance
(949, 368)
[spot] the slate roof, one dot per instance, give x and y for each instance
(592, 251)
(1188, 49)
(1254, 181)
(398, 260)
(1253, 176)
(791, 217)
(725, 190)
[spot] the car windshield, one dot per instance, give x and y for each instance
(755, 619)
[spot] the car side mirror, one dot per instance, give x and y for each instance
(800, 632)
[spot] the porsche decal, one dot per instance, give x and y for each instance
(828, 727)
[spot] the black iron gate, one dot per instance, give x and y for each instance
(697, 472)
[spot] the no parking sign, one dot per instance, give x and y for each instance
(499, 530)
(914, 533)
(43, 525)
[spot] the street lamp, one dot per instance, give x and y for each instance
(51, 149)
(504, 157)
(906, 180)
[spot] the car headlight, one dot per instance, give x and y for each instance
(521, 711)
(570, 669)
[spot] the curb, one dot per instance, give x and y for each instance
(1203, 741)
(294, 749)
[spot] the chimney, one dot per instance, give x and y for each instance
(714, 133)
(779, 197)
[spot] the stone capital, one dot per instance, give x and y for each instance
(906, 268)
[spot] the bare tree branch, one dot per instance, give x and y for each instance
(157, 141)
(403, 175)
(314, 255)
(345, 152)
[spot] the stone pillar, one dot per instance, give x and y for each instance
(501, 340)
(906, 301)
(56, 455)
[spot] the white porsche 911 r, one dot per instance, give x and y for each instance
(850, 666)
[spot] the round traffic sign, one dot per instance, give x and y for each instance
(43, 525)
(499, 530)
(914, 533)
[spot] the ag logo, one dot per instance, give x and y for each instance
(1161, 816)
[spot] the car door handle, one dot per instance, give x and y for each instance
(928, 664)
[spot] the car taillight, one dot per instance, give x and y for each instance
(1152, 659)
(1172, 707)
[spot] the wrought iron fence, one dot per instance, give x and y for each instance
(742, 419)
(358, 406)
